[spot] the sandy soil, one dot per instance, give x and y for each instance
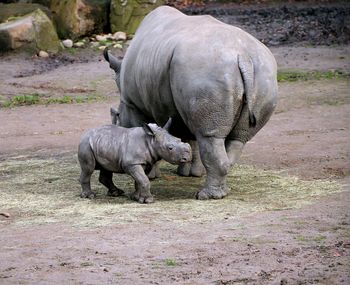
(308, 136)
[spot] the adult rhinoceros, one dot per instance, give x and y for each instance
(216, 81)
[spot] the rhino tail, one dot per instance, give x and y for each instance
(114, 63)
(246, 68)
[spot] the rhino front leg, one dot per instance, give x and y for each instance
(194, 168)
(142, 192)
(155, 171)
(217, 165)
(105, 178)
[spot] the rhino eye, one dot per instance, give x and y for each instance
(170, 147)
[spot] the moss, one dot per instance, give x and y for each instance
(46, 36)
(46, 190)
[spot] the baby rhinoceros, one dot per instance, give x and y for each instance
(113, 149)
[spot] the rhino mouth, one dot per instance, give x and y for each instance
(185, 159)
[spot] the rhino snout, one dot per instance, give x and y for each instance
(187, 154)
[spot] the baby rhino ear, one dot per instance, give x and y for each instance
(167, 125)
(148, 130)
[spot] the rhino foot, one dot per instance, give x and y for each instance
(154, 173)
(89, 195)
(212, 193)
(115, 192)
(142, 199)
(184, 169)
(188, 169)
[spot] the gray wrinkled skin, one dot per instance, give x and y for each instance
(217, 82)
(113, 149)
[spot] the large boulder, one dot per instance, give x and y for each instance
(14, 10)
(34, 31)
(126, 15)
(76, 18)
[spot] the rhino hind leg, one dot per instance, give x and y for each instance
(217, 165)
(234, 150)
(87, 165)
(105, 178)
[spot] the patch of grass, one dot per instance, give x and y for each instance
(319, 238)
(293, 75)
(170, 262)
(21, 100)
(86, 264)
(72, 50)
(253, 240)
(46, 190)
(37, 99)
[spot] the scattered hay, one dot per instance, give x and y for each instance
(46, 190)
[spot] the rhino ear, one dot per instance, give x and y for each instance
(114, 62)
(114, 116)
(167, 125)
(148, 130)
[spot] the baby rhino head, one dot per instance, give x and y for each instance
(167, 146)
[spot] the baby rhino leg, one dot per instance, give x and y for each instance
(87, 165)
(105, 178)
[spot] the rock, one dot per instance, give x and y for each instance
(102, 47)
(79, 44)
(94, 44)
(118, 46)
(67, 43)
(126, 15)
(119, 36)
(101, 38)
(9, 12)
(76, 18)
(34, 31)
(43, 54)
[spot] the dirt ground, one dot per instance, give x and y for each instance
(308, 137)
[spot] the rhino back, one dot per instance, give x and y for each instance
(114, 147)
(188, 66)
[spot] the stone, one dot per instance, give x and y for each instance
(118, 46)
(101, 38)
(33, 31)
(43, 53)
(119, 36)
(77, 18)
(102, 47)
(79, 44)
(126, 15)
(9, 12)
(67, 43)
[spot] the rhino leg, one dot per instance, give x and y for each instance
(217, 165)
(234, 150)
(105, 178)
(142, 192)
(155, 171)
(194, 168)
(87, 165)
